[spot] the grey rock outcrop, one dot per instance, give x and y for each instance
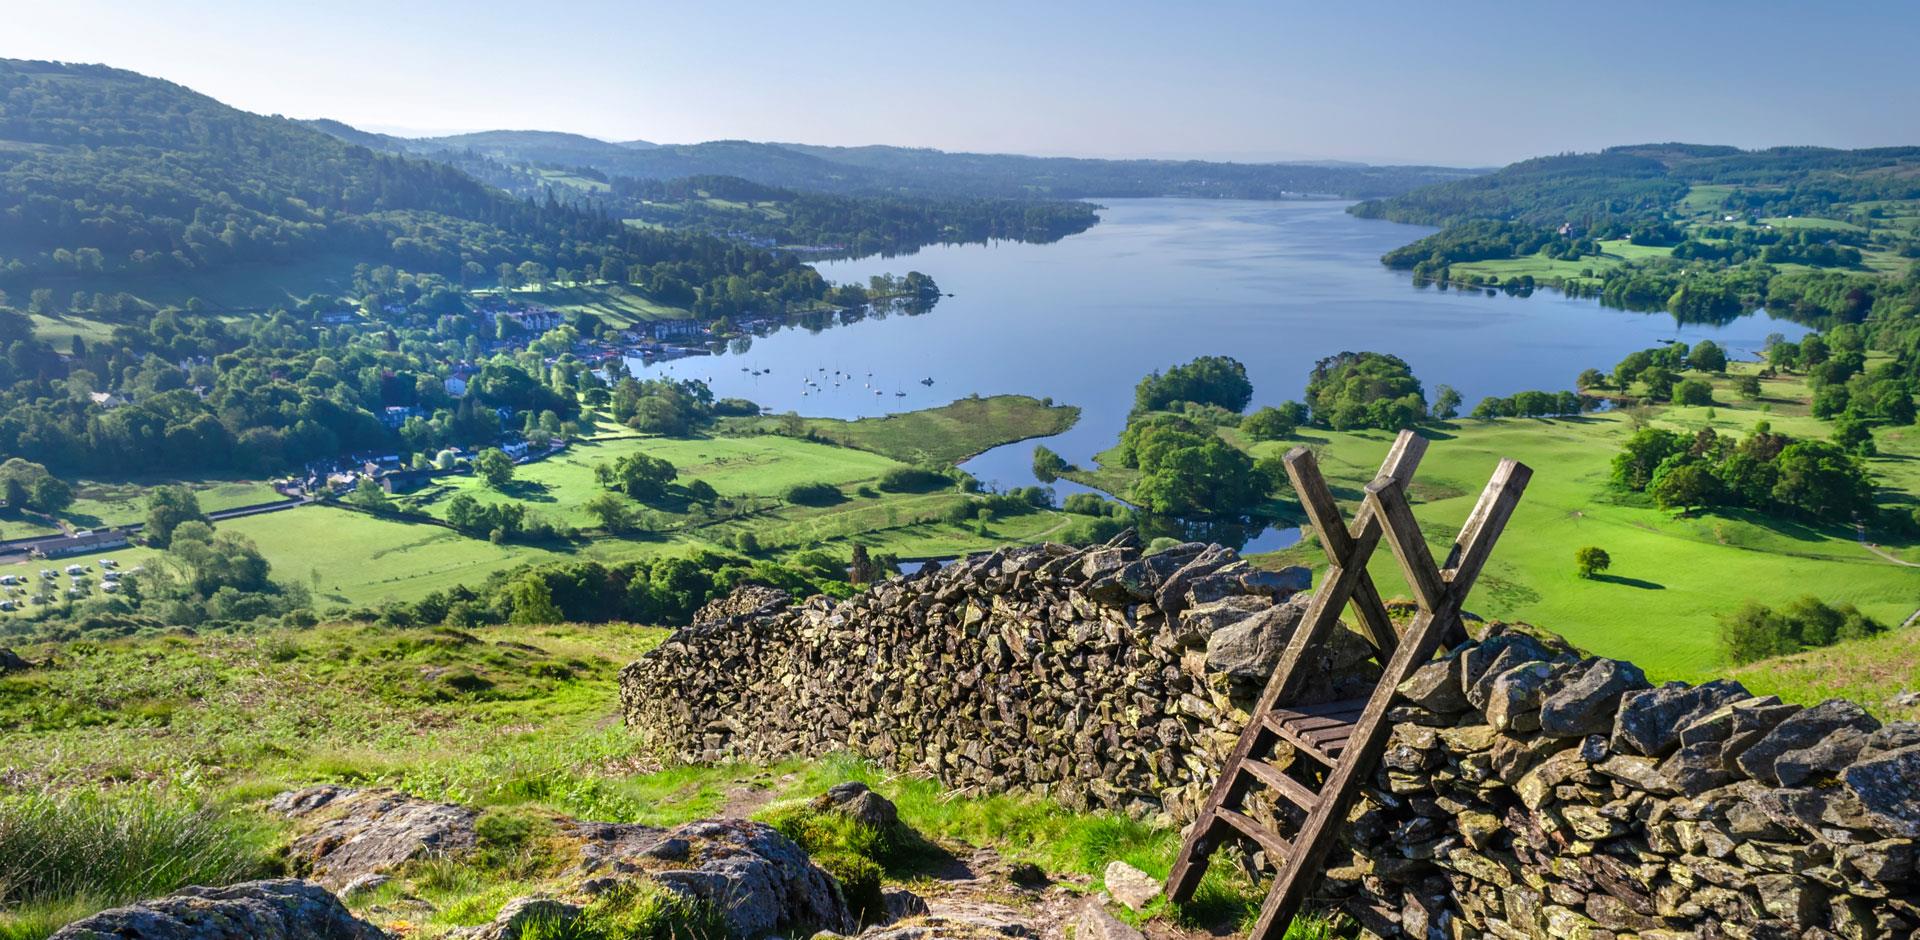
(284, 909)
(351, 833)
(758, 879)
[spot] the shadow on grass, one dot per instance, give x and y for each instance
(1630, 582)
(527, 491)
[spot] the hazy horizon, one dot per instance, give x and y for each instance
(1234, 81)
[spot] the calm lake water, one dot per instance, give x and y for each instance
(1277, 285)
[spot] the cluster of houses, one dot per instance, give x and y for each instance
(17, 591)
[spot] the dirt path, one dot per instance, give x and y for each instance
(1860, 535)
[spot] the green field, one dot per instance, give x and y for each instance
(1870, 671)
(614, 303)
(119, 502)
(355, 559)
(945, 435)
(759, 466)
(1551, 271)
(1671, 576)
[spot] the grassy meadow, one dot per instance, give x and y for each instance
(1672, 575)
(164, 749)
(948, 434)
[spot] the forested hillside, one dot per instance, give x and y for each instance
(106, 172)
(1704, 232)
(928, 172)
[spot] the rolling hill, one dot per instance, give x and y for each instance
(114, 180)
(925, 172)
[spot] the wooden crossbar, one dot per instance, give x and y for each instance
(1344, 737)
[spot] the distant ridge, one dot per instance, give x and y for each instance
(876, 169)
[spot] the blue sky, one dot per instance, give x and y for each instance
(1464, 83)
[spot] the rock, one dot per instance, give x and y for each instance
(349, 833)
(1283, 583)
(1484, 662)
(1171, 595)
(1513, 701)
(1437, 687)
(758, 879)
(958, 919)
(1131, 886)
(1696, 768)
(745, 602)
(1027, 875)
(363, 885)
(520, 913)
(1649, 720)
(1803, 730)
(1823, 758)
(11, 661)
(1249, 648)
(1892, 737)
(856, 802)
(1097, 923)
(898, 904)
(284, 909)
(1199, 624)
(1888, 787)
(1586, 704)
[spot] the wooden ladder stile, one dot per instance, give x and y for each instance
(1345, 738)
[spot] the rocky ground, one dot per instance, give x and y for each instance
(357, 850)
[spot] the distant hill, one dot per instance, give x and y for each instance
(925, 172)
(1641, 182)
(111, 176)
(1077, 177)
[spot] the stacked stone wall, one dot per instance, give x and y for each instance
(1526, 790)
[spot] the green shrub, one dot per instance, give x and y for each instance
(914, 480)
(95, 849)
(814, 494)
(859, 879)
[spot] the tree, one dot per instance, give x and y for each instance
(1683, 483)
(50, 493)
(1754, 632)
(1707, 356)
(1693, 392)
(532, 601)
(1365, 390)
(167, 508)
(1821, 480)
(1854, 436)
(1659, 381)
(495, 467)
(1642, 454)
(640, 476)
(1446, 402)
(1750, 387)
(1591, 560)
(1590, 378)
(612, 511)
(1208, 380)
(1047, 465)
(368, 495)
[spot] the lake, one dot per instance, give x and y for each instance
(1277, 285)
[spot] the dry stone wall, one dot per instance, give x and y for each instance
(1099, 676)
(1526, 791)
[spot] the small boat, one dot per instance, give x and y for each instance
(926, 381)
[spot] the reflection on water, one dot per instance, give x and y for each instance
(1277, 285)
